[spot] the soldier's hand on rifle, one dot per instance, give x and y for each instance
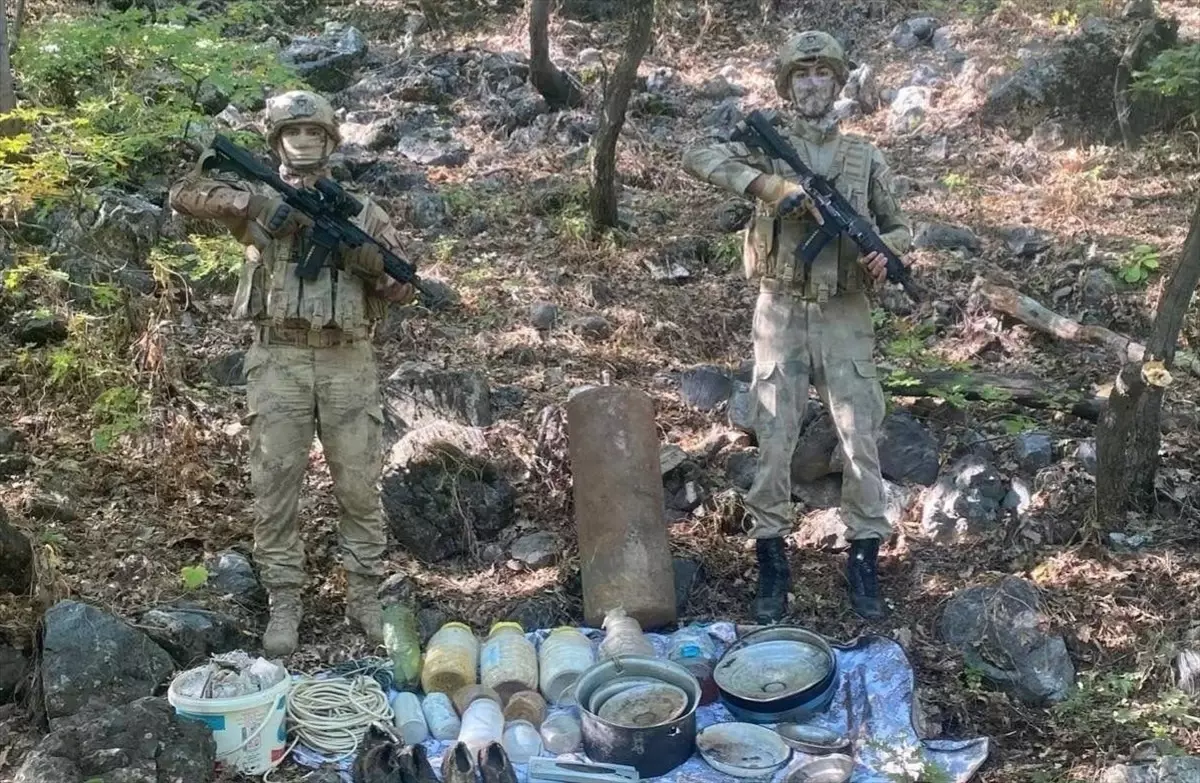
(279, 219)
(365, 260)
(876, 265)
(394, 291)
(785, 196)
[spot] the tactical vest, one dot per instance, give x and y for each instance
(269, 292)
(769, 242)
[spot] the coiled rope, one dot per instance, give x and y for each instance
(332, 715)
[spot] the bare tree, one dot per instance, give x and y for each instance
(559, 89)
(616, 100)
(1130, 430)
(8, 91)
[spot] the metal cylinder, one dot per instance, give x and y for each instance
(623, 550)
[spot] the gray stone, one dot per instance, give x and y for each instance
(1033, 451)
(91, 657)
(824, 529)
(923, 27)
(741, 407)
(689, 574)
(705, 387)
(1138, 9)
(14, 667)
(1048, 136)
(39, 329)
(590, 57)
(903, 38)
(943, 236)
(823, 492)
(813, 457)
(999, 630)
(425, 209)
(192, 634)
(429, 150)
(9, 440)
(547, 610)
(543, 315)
(1019, 497)
(687, 498)
(925, 75)
(965, 501)
(1085, 452)
(1169, 769)
(233, 575)
(661, 80)
(536, 550)
(417, 394)
(723, 117)
(908, 452)
(844, 109)
(741, 467)
(1025, 241)
(52, 505)
(909, 109)
(374, 136)
(944, 40)
(327, 61)
(1098, 286)
(13, 464)
(733, 215)
(595, 327)
(430, 620)
(718, 88)
(670, 458)
(862, 87)
(228, 370)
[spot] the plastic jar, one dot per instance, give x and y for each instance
(441, 717)
(483, 722)
(623, 636)
(409, 718)
(508, 662)
(521, 741)
(561, 733)
(527, 706)
(464, 696)
(564, 656)
(693, 649)
(451, 660)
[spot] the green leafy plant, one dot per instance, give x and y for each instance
(1137, 264)
(1015, 425)
(117, 411)
(194, 577)
(1174, 73)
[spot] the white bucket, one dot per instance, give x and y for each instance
(250, 731)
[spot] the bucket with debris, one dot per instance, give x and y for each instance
(243, 700)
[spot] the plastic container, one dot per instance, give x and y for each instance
(483, 722)
(509, 661)
(250, 731)
(564, 655)
(441, 717)
(464, 696)
(451, 660)
(403, 643)
(561, 733)
(623, 636)
(527, 706)
(693, 649)
(409, 718)
(521, 741)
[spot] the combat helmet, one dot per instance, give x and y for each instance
(296, 107)
(807, 46)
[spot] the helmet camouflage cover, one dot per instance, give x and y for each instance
(300, 107)
(807, 47)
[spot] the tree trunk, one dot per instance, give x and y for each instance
(1129, 434)
(8, 92)
(616, 100)
(16, 559)
(559, 90)
(14, 34)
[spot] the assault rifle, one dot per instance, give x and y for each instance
(840, 217)
(326, 204)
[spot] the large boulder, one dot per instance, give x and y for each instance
(1000, 631)
(965, 502)
(418, 394)
(327, 61)
(192, 634)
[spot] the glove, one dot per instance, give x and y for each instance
(366, 260)
(275, 216)
(786, 197)
(394, 291)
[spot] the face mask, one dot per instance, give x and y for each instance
(813, 95)
(304, 151)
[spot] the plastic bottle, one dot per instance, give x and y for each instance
(508, 662)
(483, 722)
(441, 716)
(451, 660)
(623, 636)
(403, 643)
(409, 718)
(564, 655)
(521, 741)
(693, 649)
(561, 733)
(526, 705)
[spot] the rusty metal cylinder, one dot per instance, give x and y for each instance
(624, 554)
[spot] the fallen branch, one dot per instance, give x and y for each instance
(1027, 390)
(1033, 313)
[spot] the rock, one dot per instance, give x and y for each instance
(192, 634)
(908, 452)
(667, 271)
(687, 498)
(741, 468)
(733, 215)
(1168, 769)
(814, 451)
(1024, 241)
(430, 620)
(52, 505)
(844, 109)
(9, 440)
(227, 370)
(862, 87)
(14, 667)
(964, 503)
(943, 40)
(688, 575)
(670, 458)
(718, 88)
(89, 656)
(536, 550)
(1048, 136)
(903, 38)
(1019, 497)
(590, 57)
(595, 327)
(541, 611)
(418, 394)
(140, 742)
(909, 109)
(705, 387)
(1033, 451)
(943, 236)
(1187, 670)
(40, 330)
(824, 492)
(434, 149)
(327, 61)
(1138, 9)
(373, 136)
(661, 80)
(16, 553)
(1097, 287)
(233, 575)
(13, 464)
(824, 529)
(1085, 452)
(999, 631)
(722, 118)
(543, 315)
(925, 75)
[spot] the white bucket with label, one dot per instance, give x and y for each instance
(250, 731)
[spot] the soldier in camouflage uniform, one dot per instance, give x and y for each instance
(815, 327)
(311, 368)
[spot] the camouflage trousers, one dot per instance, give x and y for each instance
(294, 392)
(828, 344)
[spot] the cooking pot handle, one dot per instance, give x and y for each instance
(674, 731)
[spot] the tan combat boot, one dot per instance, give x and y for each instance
(283, 629)
(363, 607)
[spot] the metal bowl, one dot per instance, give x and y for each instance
(643, 706)
(775, 675)
(612, 688)
(742, 750)
(812, 739)
(835, 768)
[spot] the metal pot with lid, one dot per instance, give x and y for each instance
(777, 674)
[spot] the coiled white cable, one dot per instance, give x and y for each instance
(332, 715)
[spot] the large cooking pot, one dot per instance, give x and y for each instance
(653, 750)
(778, 674)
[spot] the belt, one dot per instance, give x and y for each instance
(772, 286)
(310, 338)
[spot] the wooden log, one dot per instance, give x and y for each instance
(1028, 390)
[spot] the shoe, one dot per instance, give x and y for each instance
(458, 765)
(862, 573)
(283, 629)
(494, 766)
(415, 766)
(377, 760)
(774, 579)
(363, 606)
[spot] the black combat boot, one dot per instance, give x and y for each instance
(774, 579)
(862, 572)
